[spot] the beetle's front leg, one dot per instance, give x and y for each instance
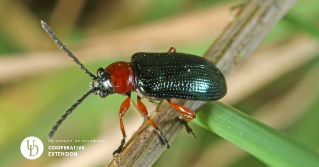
(124, 107)
(187, 113)
(141, 107)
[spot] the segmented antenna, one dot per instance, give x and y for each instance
(58, 41)
(69, 111)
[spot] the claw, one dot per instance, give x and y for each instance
(163, 138)
(188, 128)
(119, 150)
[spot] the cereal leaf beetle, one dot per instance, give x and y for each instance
(155, 76)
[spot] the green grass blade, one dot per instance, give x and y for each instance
(267, 144)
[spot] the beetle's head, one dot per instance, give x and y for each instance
(101, 84)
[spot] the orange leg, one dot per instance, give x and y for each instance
(172, 50)
(124, 107)
(187, 113)
(141, 107)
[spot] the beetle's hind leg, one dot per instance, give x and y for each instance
(187, 127)
(187, 113)
(125, 105)
(141, 107)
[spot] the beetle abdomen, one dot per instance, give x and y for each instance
(178, 75)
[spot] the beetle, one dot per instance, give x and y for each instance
(155, 76)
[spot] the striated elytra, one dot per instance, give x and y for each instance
(178, 75)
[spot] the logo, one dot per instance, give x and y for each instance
(31, 147)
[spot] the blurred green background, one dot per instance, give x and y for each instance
(278, 84)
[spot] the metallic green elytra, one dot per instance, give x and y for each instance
(178, 75)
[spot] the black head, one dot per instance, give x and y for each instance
(102, 83)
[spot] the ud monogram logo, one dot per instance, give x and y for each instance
(31, 147)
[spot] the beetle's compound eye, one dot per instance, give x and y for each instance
(103, 94)
(100, 72)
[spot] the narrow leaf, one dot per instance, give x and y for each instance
(267, 144)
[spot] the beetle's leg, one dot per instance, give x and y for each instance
(172, 50)
(141, 107)
(189, 115)
(189, 130)
(125, 105)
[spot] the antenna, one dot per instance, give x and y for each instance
(58, 41)
(68, 112)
